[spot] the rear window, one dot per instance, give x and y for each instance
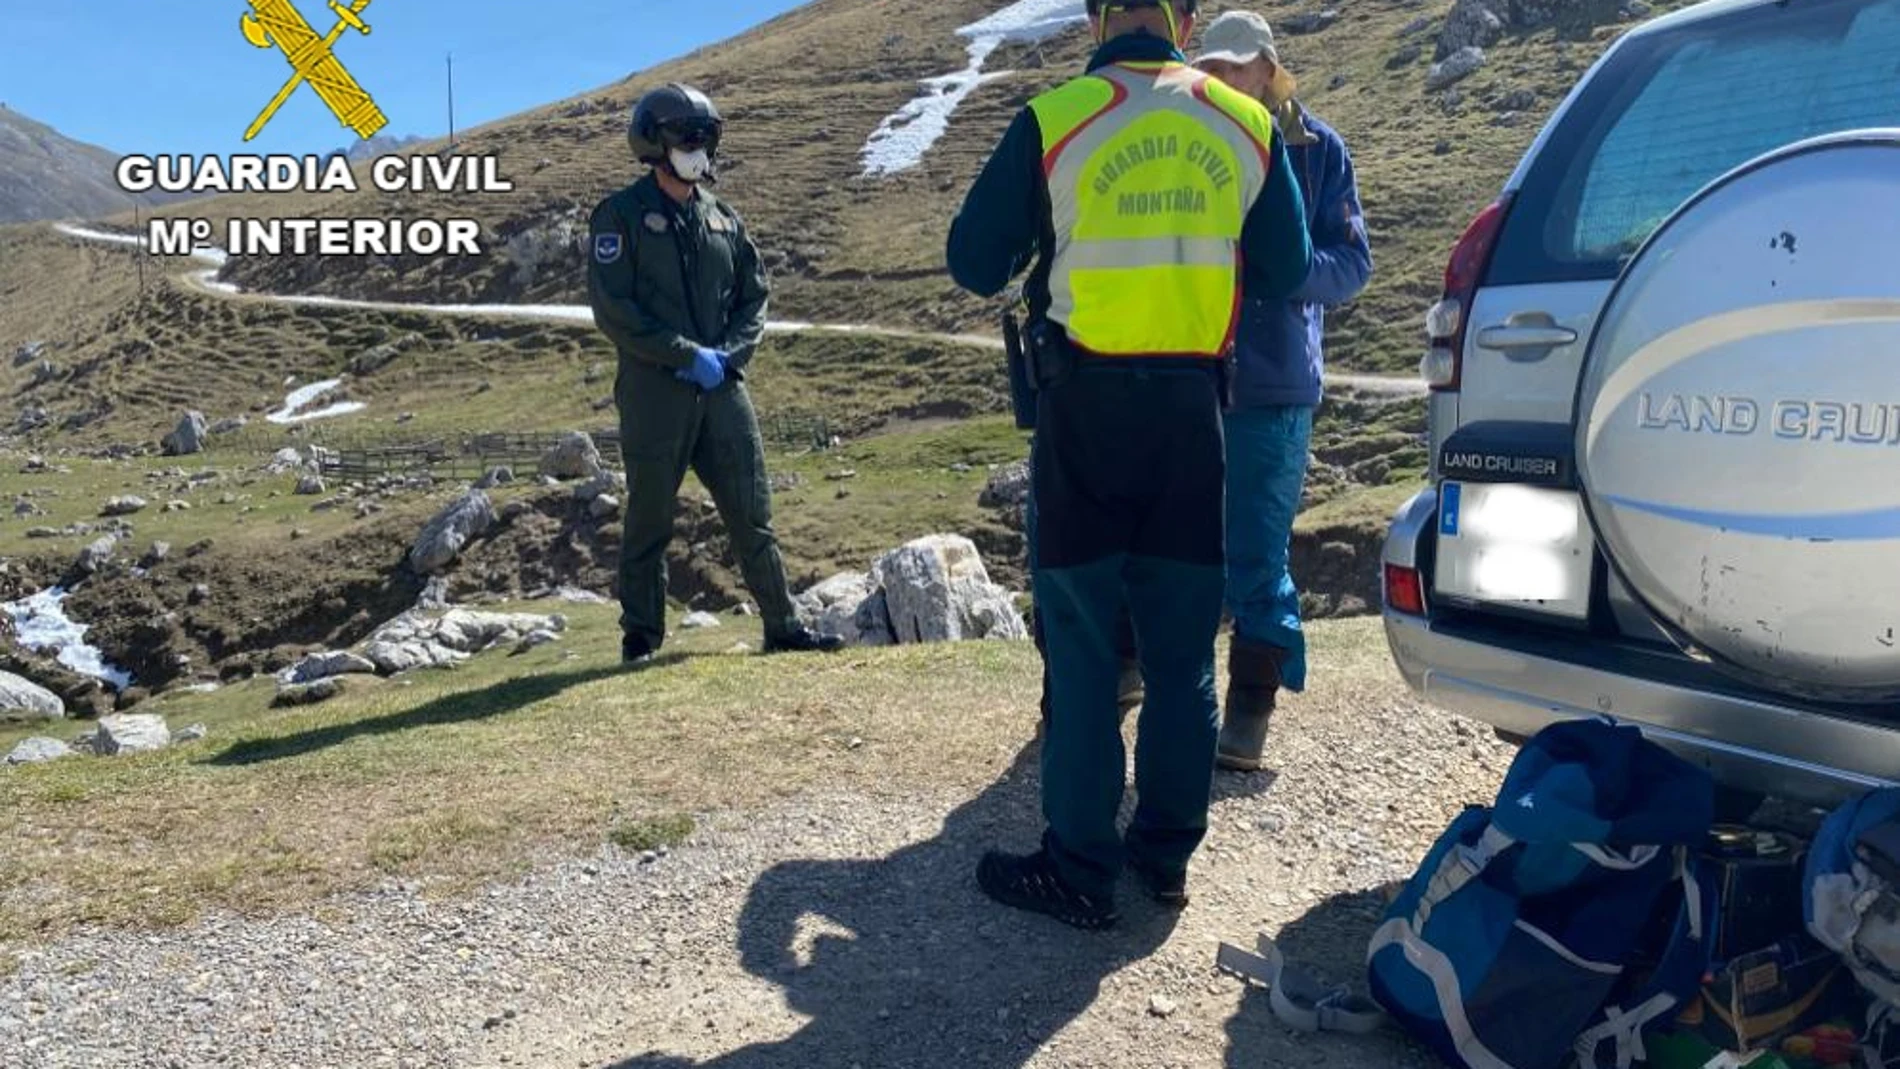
(1671, 112)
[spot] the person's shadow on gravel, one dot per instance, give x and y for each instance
(934, 974)
(1328, 943)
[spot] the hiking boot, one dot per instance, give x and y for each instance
(1166, 886)
(635, 650)
(1253, 685)
(1030, 882)
(804, 640)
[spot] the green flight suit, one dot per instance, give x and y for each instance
(665, 277)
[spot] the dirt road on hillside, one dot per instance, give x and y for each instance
(825, 932)
(205, 281)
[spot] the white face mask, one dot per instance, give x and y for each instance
(690, 166)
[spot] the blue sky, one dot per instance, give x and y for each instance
(177, 76)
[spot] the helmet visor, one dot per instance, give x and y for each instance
(690, 134)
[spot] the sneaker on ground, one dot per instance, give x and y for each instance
(1030, 882)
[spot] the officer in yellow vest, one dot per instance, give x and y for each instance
(1148, 196)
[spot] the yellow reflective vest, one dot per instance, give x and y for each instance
(1152, 169)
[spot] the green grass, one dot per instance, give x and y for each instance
(651, 833)
(455, 777)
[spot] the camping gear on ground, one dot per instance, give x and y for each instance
(1756, 877)
(1755, 1000)
(1298, 1000)
(1851, 902)
(1508, 948)
(1767, 979)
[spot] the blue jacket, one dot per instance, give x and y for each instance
(1277, 353)
(1004, 223)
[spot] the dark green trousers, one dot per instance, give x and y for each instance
(666, 427)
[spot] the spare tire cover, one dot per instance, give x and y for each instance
(1738, 421)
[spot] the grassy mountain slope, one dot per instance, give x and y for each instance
(803, 93)
(46, 175)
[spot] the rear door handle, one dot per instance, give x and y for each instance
(1508, 337)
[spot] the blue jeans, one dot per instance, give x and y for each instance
(1266, 472)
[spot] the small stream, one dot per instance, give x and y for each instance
(41, 624)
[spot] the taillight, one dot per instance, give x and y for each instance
(1443, 366)
(1404, 591)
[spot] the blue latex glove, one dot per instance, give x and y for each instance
(707, 370)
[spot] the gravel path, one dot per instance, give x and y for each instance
(830, 931)
(205, 281)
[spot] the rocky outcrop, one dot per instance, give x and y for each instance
(325, 665)
(291, 695)
(1008, 487)
(417, 640)
(573, 457)
(443, 538)
(850, 606)
(188, 437)
(1471, 23)
(130, 733)
(124, 505)
(1455, 68)
(23, 701)
(38, 749)
(94, 556)
(937, 590)
(934, 589)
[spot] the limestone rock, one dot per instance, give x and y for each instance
(124, 505)
(848, 605)
(937, 590)
(495, 476)
(573, 457)
(188, 437)
(325, 665)
(697, 621)
(95, 556)
(443, 539)
(37, 749)
(1455, 68)
(310, 485)
(23, 701)
(295, 694)
(1471, 23)
(1309, 22)
(418, 640)
(1008, 487)
(130, 733)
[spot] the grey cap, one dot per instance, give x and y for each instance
(1241, 37)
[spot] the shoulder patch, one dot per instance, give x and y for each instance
(607, 248)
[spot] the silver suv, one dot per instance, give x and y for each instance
(1665, 410)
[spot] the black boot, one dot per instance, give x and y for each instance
(1030, 882)
(1253, 686)
(635, 650)
(804, 640)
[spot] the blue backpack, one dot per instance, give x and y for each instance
(1568, 918)
(1853, 908)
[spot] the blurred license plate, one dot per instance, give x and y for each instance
(1510, 545)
